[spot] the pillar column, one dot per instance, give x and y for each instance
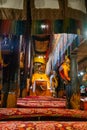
(73, 87)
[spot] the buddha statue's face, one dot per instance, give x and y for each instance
(39, 67)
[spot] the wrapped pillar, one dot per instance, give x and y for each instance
(74, 90)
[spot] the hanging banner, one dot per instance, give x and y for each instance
(77, 4)
(13, 4)
(13, 10)
(52, 4)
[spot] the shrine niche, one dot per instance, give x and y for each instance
(40, 80)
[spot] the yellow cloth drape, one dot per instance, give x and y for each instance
(41, 76)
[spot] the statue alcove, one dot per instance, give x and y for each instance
(10, 68)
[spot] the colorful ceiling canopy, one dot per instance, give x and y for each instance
(58, 26)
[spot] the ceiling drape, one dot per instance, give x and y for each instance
(67, 18)
(13, 11)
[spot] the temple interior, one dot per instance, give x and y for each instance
(43, 65)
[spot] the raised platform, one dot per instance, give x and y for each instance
(41, 102)
(42, 125)
(42, 114)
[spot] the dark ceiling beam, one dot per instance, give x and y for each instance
(83, 60)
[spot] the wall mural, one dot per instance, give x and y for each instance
(63, 44)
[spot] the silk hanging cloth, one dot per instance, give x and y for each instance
(14, 4)
(75, 9)
(46, 9)
(13, 9)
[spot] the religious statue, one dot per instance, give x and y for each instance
(65, 69)
(40, 80)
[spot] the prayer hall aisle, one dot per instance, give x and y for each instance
(43, 63)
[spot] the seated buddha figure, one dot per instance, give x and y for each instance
(40, 80)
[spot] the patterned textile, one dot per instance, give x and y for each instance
(42, 125)
(44, 98)
(28, 113)
(40, 104)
